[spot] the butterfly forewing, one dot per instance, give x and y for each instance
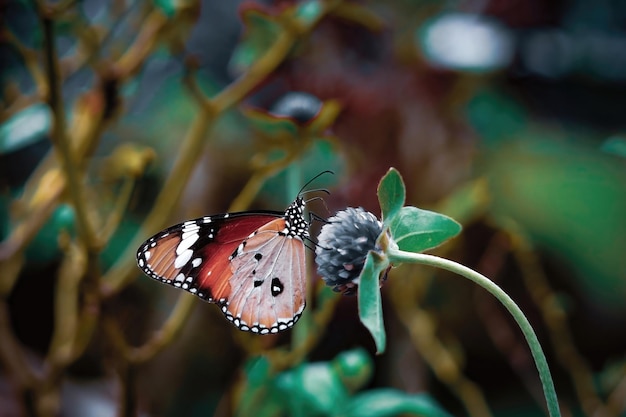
(194, 255)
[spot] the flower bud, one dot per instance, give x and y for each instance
(343, 245)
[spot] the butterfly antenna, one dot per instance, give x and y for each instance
(318, 198)
(315, 216)
(315, 190)
(315, 244)
(313, 179)
(311, 248)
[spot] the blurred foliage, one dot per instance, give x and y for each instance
(326, 389)
(119, 118)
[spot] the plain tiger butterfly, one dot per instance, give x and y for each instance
(251, 264)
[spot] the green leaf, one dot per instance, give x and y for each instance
(615, 145)
(568, 198)
(261, 30)
(24, 128)
(168, 7)
(258, 372)
(309, 11)
(389, 402)
(391, 194)
(277, 127)
(259, 396)
(416, 230)
(370, 307)
(354, 367)
(321, 154)
(312, 389)
(496, 117)
(45, 246)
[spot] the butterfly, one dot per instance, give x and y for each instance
(251, 264)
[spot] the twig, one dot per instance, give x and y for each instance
(616, 401)
(60, 138)
(12, 355)
(172, 327)
(142, 46)
(66, 306)
(121, 273)
(115, 216)
(31, 61)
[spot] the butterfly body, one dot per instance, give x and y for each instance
(252, 264)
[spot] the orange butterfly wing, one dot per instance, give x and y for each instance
(194, 255)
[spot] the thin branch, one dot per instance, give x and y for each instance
(124, 270)
(12, 355)
(31, 61)
(116, 215)
(66, 304)
(170, 329)
(616, 401)
(143, 44)
(61, 139)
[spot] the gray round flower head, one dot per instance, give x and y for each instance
(343, 244)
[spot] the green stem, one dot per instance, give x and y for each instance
(398, 256)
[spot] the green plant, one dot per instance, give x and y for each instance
(404, 232)
(327, 389)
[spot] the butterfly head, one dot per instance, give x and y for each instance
(295, 223)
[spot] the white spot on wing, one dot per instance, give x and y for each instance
(187, 234)
(187, 241)
(182, 258)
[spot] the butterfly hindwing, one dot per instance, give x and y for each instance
(268, 284)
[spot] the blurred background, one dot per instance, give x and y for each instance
(120, 118)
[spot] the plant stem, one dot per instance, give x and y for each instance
(61, 140)
(398, 256)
